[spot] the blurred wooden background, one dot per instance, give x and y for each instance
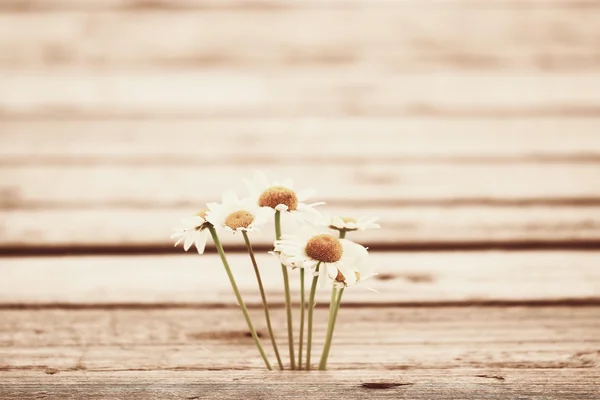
(471, 127)
(458, 122)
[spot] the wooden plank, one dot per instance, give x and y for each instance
(376, 183)
(403, 340)
(571, 384)
(401, 225)
(404, 35)
(405, 278)
(170, 5)
(343, 91)
(330, 140)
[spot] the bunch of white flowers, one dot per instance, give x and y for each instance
(331, 259)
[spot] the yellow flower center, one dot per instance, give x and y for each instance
(276, 195)
(239, 219)
(325, 248)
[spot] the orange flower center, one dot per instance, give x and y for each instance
(239, 219)
(325, 248)
(276, 195)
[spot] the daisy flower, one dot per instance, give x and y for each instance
(194, 231)
(341, 261)
(281, 196)
(358, 268)
(235, 215)
(348, 224)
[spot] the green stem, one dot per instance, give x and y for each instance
(303, 306)
(311, 307)
(288, 300)
(336, 304)
(331, 308)
(263, 297)
(238, 296)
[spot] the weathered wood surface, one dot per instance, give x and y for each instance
(430, 188)
(446, 353)
(463, 124)
(405, 278)
(233, 93)
(573, 384)
(255, 140)
(366, 338)
(377, 182)
(402, 36)
(386, 109)
(404, 227)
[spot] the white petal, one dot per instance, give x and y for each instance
(213, 205)
(281, 207)
(337, 222)
(189, 240)
(201, 241)
(323, 275)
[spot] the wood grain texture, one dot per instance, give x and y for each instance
(460, 123)
(145, 186)
(170, 5)
(232, 93)
(569, 384)
(392, 339)
(248, 141)
(404, 278)
(404, 225)
(405, 36)
(471, 184)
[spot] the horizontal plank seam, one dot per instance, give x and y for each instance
(562, 302)
(182, 160)
(589, 201)
(162, 249)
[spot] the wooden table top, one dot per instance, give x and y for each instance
(471, 127)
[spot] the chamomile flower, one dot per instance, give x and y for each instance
(357, 269)
(281, 196)
(235, 215)
(194, 231)
(349, 224)
(340, 261)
